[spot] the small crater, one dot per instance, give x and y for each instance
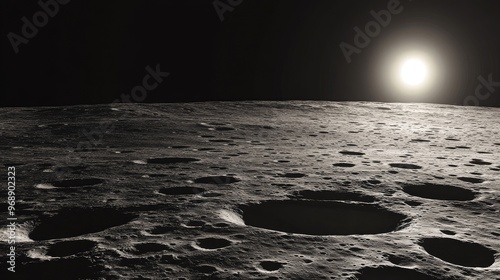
(333, 195)
(217, 180)
(321, 217)
(171, 160)
(144, 248)
(344, 164)
(294, 175)
(413, 203)
(398, 260)
(419, 141)
(479, 162)
(206, 269)
(271, 265)
(392, 273)
(181, 190)
(72, 222)
(75, 183)
(220, 140)
(374, 182)
(212, 243)
(405, 165)
(471, 180)
(448, 232)
(224, 128)
(439, 192)
(68, 248)
(350, 153)
(459, 252)
(162, 230)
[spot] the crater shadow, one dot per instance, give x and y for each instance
(70, 222)
(68, 248)
(459, 252)
(216, 180)
(392, 273)
(212, 243)
(439, 192)
(333, 195)
(321, 217)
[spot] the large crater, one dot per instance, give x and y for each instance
(321, 217)
(459, 252)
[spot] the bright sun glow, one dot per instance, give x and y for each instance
(413, 72)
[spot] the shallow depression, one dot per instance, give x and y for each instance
(321, 217)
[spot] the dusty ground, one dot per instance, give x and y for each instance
(254, 190)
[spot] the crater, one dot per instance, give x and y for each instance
(217, 180)
(212, 243)
(344, 164)
(405, 165)
(321, 217)
(392, 273)
(181, 190)
(206, 269)
(293, 175)
(471, 180)
(479, 162)
(350, 153)
(162, 229)
(74, 183)
(271, 265)
(333, 195)
(459, 252)
(439, 192)
(72, 222)
(144, 248)
(171, 160)
(68, 248)
(68, 269)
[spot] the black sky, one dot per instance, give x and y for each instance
(93, 51)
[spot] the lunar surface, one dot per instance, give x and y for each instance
(254, 190)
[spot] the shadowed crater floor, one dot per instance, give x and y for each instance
(60, 269)
(321, 217)
(392, 273)
(78, 221)
(459, 252)
(68, 248)
(440, 192)
(333, 195)
(212, 243)
(216, 180)
(405, 165)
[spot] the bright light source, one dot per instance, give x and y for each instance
(413, 72)
(418, 64)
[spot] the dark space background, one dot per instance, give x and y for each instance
(93, 51)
